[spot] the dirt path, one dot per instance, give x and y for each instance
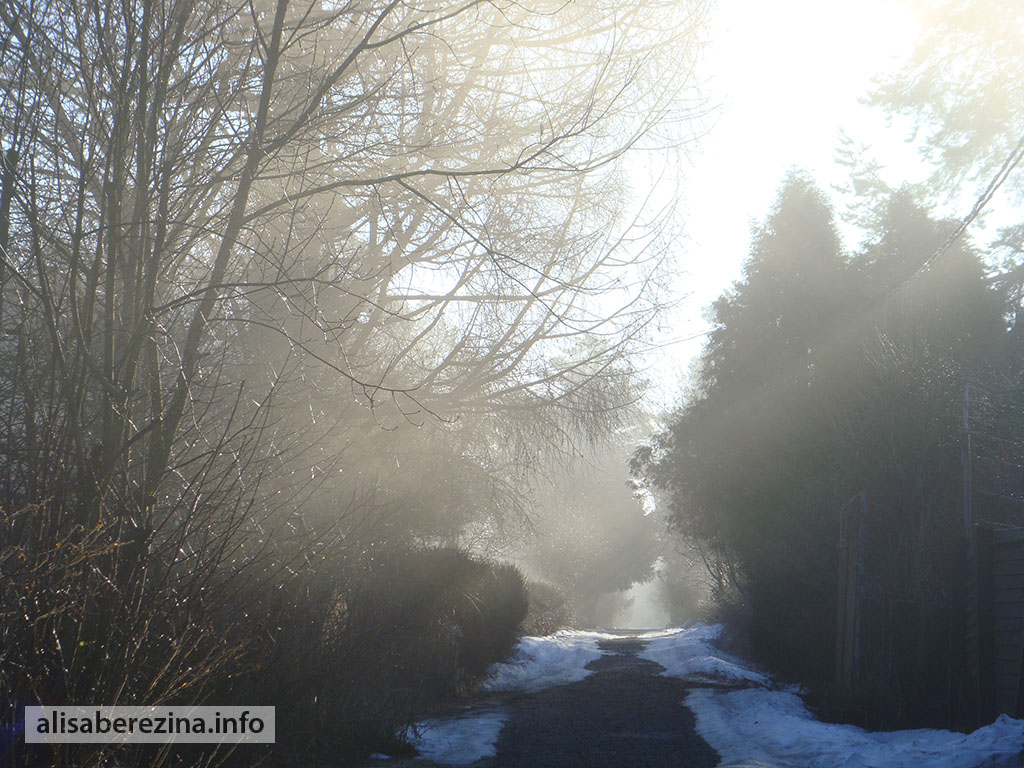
(625, 715)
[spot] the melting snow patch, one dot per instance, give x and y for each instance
(759, 727)
(691, 655)
(763, 727)
(543, 662)
(459, 740)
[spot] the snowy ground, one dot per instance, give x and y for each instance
(690, 654)
(542, 662)
(460, 740)
(753, 725)
(759, 724)
(761, 727)
(537, 663)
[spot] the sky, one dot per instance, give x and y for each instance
(785, 79)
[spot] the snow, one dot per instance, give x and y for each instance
(689, 653)
(760, 727)
(756, 725)
(460, 740)
(748, 720)
(536, 663)
(543, 662)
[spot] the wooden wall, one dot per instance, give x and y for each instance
(995, 621)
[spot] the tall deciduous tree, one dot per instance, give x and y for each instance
(378, 213)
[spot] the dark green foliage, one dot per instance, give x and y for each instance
(352, 654)
(350, 668)
(549, 609)
(826, 374)
(443, 615)
(489, 611)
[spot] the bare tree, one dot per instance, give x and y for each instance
(261, 259)
(420, 200)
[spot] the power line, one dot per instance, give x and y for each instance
(680, 340)
(1008, 166)
(997, 181)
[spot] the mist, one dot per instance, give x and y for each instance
(338, 338)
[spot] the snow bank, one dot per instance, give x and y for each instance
(691, 655)
(756, 726)
(460, 740)
(543, 662)
(537, 663)
(753, 726)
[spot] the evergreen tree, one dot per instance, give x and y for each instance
(826, 375)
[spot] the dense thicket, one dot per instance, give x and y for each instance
(827, 374)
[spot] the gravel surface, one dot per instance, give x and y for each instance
(625, 715)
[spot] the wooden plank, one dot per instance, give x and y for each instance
(1009, 598)
(1006, 627)
(1008, 564)
(1007, 554)
(1006, 699)
(1006, 546)
(1018, 707)
(1011, 595)
(1007, 644)
(1008, 551)
(1006, 624)
(1008, 569)
(986, 635)
(1007, 582)
(1005, 666)
(1012, 536)
(1014, 583)
(1008, 536)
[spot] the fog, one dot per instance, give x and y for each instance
(336, 341)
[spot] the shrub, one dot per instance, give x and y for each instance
(549, 609)
(80, 623)
(489, 614)
(338, 681)
(348, 649)
(353, 652)
(443, 615)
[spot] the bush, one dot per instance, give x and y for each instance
(549, 609)
(83, 620)
(349, 649)
(489, 615)
(357, 651)
(443, 615)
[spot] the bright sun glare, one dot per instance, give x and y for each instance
(786, 79)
